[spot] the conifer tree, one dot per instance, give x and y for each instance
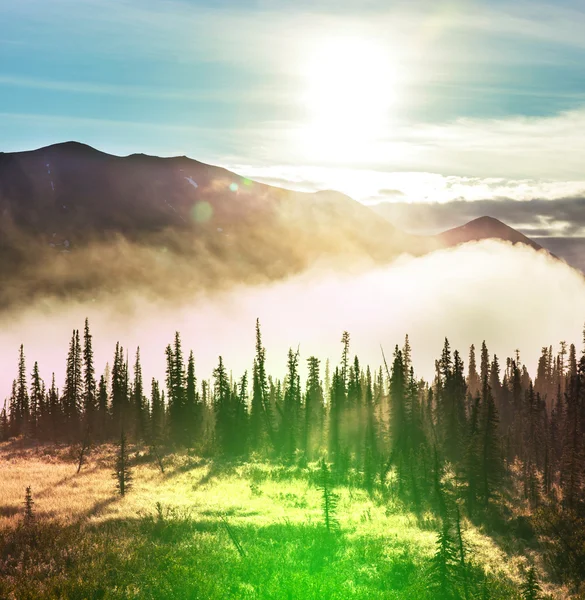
(139, 401)
(157, 414)
(444, 565)
(490, 465)
(36, 401)
(119, 391)
(261, 414)
(72, 392)
(54, 409)
(176, 391)
(21, 414)
(313, 409)
(89, 383)
(329, 499)
(473, 382)
(371, 454)
(28, 507)
(472, 456)
(191, 402)
(4, 424)
(102, 408)
(224, 416)
(336, 410)
(122, 469)
(530, 587)
(292, 407)
(241, 417)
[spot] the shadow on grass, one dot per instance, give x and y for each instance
(169, 554)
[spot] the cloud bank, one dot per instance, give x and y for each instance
(510, 296)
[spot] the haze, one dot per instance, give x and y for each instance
(511, 296)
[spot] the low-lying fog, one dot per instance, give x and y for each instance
(513, 297)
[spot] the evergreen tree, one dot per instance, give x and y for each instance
(191, 402)
(72, 392)
(491, 464)
(119, 391)
(444, 565)
(329, 499)
(176, 391)
(4, 424)
(102, 408)
(336, 410)
(292, 407)
(223, 406)
(28, 507)
(371, 454)
(21, 410)
(313, 409)
(122, 469)
(157, 414)
(473, 382)
(89, 383)
(139, 400)
(261, 414)
(36, 401)
(530, 587)
(55, 412)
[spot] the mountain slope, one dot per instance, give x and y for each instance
(75, 220)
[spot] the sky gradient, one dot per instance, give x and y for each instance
(420, 102)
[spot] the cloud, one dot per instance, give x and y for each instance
(467, 294)
(537, 217)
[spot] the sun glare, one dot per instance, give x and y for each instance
(350, 91)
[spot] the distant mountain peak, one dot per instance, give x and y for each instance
(484, 228)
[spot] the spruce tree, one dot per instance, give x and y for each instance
(444, 565)
(291, 408)
(191, 403)
(89, 383)
(21, 415)
(490, 457)
(55, 412)
(157, 414)
(530, 588)
(36, 401)
(176, 391)
(119, 391)
(102, 409)
(222, 404)
(72, 391)
(4, 424)
(28, 507)
(313, 409)
(329, 499)
(261, 422)
(139, 401)
(122, 469)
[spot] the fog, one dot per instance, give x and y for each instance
(513, 297)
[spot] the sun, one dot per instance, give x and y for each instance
(350, 88)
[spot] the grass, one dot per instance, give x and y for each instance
(176, 535)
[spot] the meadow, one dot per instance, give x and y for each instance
(209, 529)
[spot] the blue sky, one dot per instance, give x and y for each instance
(476, 89)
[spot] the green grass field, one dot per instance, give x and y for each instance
(209, 530)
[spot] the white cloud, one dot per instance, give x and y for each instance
(467, 294)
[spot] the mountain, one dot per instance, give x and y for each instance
(484, 228)
(75, 220)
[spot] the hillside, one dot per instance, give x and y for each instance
(77, 221)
